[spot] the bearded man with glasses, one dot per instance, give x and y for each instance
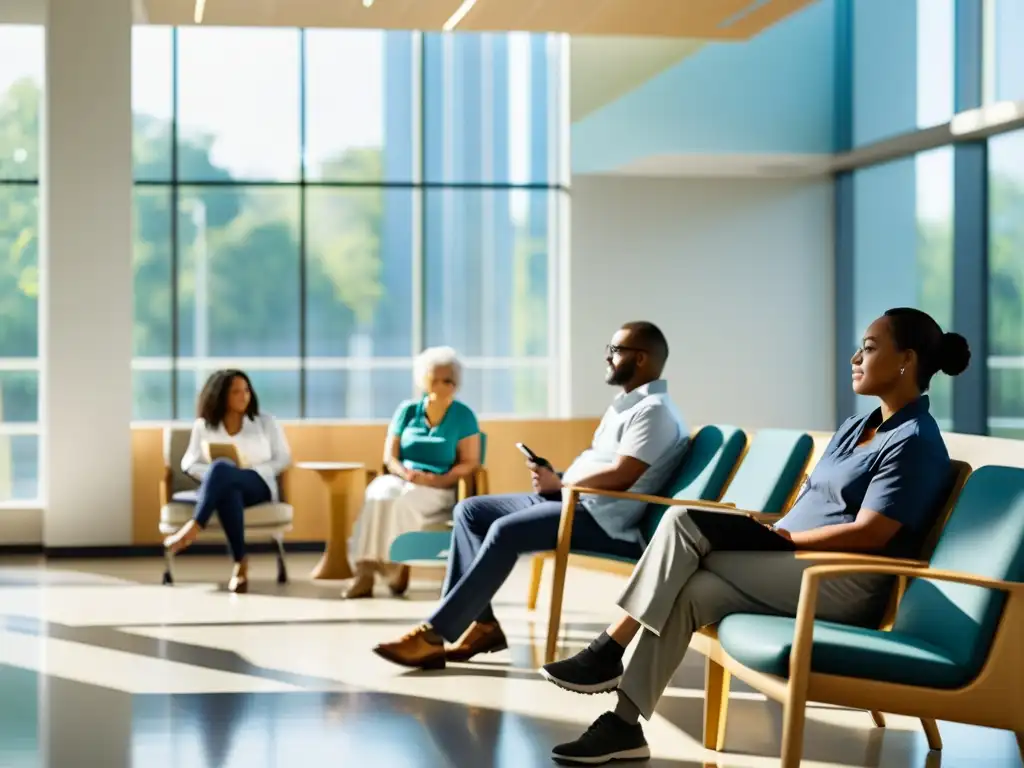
(639, 443)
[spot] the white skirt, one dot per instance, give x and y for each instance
(393, 507)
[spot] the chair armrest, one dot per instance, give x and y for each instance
(855, 558)
(569, 502)
(720, 506)
(815, 573)
(481, 481)
(165, 487)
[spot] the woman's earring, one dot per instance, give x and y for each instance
(902, 371)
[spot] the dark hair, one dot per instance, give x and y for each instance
(213, 399)
(936, 351)
(650, 337)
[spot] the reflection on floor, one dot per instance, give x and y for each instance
(102, 667)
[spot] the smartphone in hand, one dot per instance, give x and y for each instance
(533, 457)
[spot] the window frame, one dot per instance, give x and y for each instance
(972, 79)
(556, 188)
(11, 430)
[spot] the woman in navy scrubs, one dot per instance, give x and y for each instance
(877, 488)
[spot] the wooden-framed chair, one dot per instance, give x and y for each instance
(717, 678)
(705, 471)
(430, 546)
(178, 498)
(952, 652)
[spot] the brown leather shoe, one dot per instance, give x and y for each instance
(362, 584)
(420, 649)
(479, 638)
(398, 579)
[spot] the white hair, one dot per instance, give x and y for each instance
(432, 358)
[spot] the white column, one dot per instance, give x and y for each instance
(86, 275)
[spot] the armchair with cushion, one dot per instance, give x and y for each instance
(271, 520)
(953, 651)
(717, 678)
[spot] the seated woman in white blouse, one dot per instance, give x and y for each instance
(252, 452)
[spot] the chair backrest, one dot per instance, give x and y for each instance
(984, 536)
(703, 471)
(959, 472)
(175, 444)
(770, 471)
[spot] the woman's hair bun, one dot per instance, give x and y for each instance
(954, 354)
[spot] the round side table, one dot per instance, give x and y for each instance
(340, 479)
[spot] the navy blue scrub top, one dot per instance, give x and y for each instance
(903, 473)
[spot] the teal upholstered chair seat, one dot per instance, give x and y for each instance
(420, 545)
(943, 630)
(764, 643)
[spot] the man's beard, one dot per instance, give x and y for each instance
(621, 374)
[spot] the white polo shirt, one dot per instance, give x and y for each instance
(646, 425)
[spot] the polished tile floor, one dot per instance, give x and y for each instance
(102, 667)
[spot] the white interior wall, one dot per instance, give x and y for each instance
(86, 305)
(738, 273)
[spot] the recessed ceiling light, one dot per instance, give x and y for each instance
(459, 15)
(367, 3)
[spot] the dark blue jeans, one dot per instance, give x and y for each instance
(228, 490)
(489, 535)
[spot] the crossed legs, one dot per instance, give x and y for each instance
(226, 490)
(678, 586)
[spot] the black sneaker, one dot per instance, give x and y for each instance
(609, 738)
(589, 671)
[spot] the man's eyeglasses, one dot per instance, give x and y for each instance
(613, 349)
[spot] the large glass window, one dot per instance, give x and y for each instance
(1006, 54)
(1006, 285)
(488, 291)
(316, 206)
(21, 79)
(903, 249)
(903, 66)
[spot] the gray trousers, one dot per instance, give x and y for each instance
(680, 585)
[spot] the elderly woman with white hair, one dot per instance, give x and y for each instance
(432, 443)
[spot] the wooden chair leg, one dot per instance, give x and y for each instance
(794, 711)
(794, 708)
(536, 575)
(931, 731)
(716, 704)
(555, 617)
(878, 717)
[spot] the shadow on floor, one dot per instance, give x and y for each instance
(64, 722)
(755, 728)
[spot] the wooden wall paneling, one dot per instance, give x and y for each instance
(559, 440)
(147, 472)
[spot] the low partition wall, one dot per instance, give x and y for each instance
(558, 440)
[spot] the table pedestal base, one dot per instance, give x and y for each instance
(334, 563)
